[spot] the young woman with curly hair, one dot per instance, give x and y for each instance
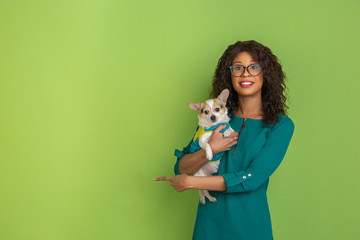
(263, 131)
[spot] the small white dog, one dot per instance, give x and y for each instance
(212, 113)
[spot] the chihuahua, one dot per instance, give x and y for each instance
(212, 113)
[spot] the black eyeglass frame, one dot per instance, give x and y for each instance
(247, 69)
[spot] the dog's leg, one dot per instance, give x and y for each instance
(208, 150)
(206, 170)
(211, 198)
(201, 173)
(202, 196)
(203, 142)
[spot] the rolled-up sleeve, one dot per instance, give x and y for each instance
(265, 163)
(179, 154)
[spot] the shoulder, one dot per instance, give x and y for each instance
(286, 120)
(285, 123)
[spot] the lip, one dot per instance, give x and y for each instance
(246, 86)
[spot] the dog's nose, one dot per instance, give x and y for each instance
(213, 118)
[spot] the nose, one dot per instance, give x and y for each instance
(213, 118)
(246, 71)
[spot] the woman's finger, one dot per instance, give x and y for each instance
(234, 134)
(220, 127)
(229, 145)
(163, 179)
(231, 139)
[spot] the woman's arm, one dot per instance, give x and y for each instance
(250, 179)
(183, 181)
(265, 163)
(213, 183)
(192, 162)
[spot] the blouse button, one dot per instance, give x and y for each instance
(244, 177)
(249, 174)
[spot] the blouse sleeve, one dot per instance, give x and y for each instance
(265, 163)
(179, 154)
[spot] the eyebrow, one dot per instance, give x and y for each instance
(241, 62)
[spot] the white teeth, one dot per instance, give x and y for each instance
(246, 83)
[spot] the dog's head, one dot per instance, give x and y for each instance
(212, 111)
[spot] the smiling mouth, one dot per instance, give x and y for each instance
(246, 83)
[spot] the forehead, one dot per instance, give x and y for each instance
(217, 103)
(209, 104)
(243, 58)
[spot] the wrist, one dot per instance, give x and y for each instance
(190, 182)
(214, 152)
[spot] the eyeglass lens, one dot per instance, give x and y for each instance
(238, 70)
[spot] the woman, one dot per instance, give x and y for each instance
(257, 108)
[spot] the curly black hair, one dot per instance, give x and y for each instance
(272, 92)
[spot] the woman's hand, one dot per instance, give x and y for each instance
(179, 182)
(219, 143)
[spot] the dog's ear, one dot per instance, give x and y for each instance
(224, 95)
(195, 106)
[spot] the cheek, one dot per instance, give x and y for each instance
(235, 84)
(259, 80)
(233, 81)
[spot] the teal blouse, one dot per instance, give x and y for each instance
(241, 212)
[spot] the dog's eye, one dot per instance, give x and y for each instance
(202, 110)
(206, 111)
(217, 109)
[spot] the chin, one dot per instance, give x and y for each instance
(248, 94)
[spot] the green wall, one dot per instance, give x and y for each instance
(93, 101)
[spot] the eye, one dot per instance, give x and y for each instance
(255, 66)
(217, 109)
(206, 111)
(238, 67)
(202, 110)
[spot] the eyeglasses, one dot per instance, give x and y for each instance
(238, 70)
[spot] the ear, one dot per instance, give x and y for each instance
(195, 106)
(224, 95)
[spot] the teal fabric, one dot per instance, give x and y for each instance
(215, 126)
(242, 211)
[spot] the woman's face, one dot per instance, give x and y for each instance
(245, 59)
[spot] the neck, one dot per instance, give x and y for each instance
(249, 107)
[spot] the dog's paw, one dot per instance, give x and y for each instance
(202, 200)
(212, 199)
(228, 132)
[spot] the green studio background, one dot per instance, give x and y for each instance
(93, 102)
